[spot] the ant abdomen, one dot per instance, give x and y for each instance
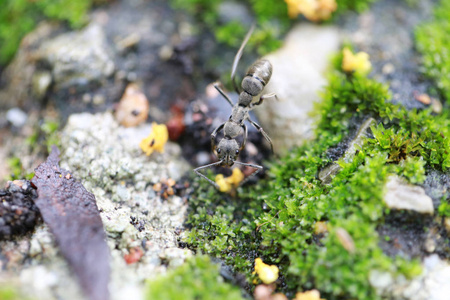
(258, 75)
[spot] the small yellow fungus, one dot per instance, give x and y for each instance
(320, 227)
(314, 10)
(227, 183)
(266, 273)
(359, 62)
(156, 139)
(308, 295)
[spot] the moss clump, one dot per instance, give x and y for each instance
(271, 17)
(197, 279)
(444, 208)
(18, 17)
(433, 42)
(16, 170)
(276, 220)
(9, 293)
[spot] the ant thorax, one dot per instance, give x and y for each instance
(238, 114)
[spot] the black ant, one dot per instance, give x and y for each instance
(228, 149)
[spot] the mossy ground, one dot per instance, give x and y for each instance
(18, 17)
(276, 219)
(198, 278)
(270, 15)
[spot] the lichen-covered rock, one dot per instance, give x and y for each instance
(400, 195)
(78, 57)
(108, 159)
(432, 284)
(297, 79)
(137, 217)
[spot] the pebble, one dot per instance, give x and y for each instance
(403, 196)
(41, 82)
(133, 108)
(16, 117)
(430, 245)
(447, 225)
(432, 284)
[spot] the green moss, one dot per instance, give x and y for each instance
(9, 293)
(355, 5)
(16, 170)
(271, 16)
(18, 17)
(276, 219)
(197, 279)
(444, 207)
(433, 42)
(51, 135)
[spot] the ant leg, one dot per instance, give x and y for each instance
(197, 170)
(245, 138)
(265, 135)
(262, 98)
(258, 168)
(217, 87)
(213, 136)
(238, 57)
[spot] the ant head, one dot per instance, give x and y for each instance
(227, 151)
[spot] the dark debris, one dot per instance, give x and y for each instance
(71, 213)
(18, 213)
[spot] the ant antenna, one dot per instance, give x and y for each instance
(208, 166)
(258, 168)
(238, 57)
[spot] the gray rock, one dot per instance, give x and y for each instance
(403, 196)
(432, 284)
(297, 78)
(78, 57)
(16, 117)
(41, 82)
(107, 159)
(234, 11)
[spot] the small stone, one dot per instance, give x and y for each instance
(203, 158)
(263, 292)
(279, 296)
(35, 248)
(423, 98)
(447, 225)
(388, 69)
(165, 53)
(346, 240)
(403, 196)
(41, 82)
(380, 280)
(133, 107)
(16, 117)
(129, 41)
(430, 245)
(98, 99)
(436, 106)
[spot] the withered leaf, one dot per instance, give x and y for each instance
(71, 213)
